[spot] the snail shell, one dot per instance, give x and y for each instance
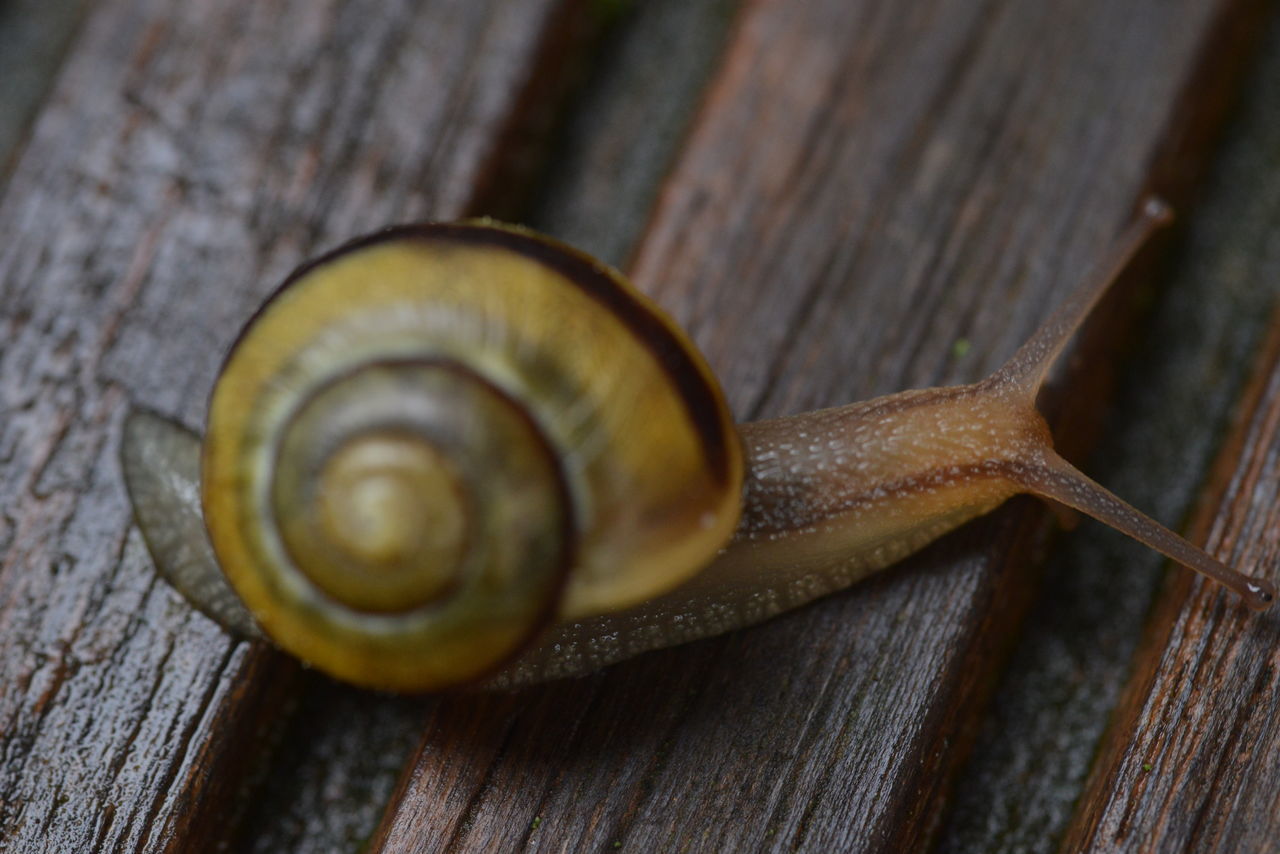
(420, 435)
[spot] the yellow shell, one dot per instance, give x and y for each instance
(433, 441)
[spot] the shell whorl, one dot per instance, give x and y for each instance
(434, 440)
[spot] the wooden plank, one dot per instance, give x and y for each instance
(338, 762)
(645, 84)
(866, 185)
(190, 154)
(1188, 763)
(1176, 399)
(33, 37)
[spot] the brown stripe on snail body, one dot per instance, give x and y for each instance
(446, 454)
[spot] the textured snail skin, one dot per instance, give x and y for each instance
(829, 497)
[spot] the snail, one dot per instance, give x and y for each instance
(458, 454)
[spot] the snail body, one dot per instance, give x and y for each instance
(456, 453)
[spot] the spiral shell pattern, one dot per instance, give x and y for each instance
(432, 442)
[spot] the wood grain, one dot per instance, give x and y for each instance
(1188, 763)
(33, 38)
(1176, 400)
(866, 185)
(190, 154)
(628, 124)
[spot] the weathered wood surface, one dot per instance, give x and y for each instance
(1175, 401)
(1190, 764)
(189, 155)
(865, 186)
(33, 37)
(1190, 760)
